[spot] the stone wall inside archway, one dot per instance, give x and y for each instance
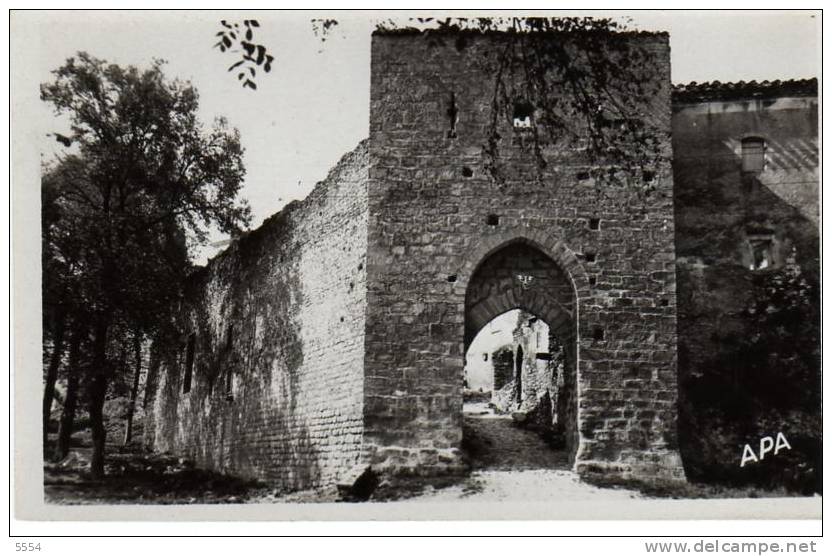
(520, 276)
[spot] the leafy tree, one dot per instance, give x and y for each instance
(61, 292)
(142, 181)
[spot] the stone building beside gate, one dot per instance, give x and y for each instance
(332, 338)
(746, 181)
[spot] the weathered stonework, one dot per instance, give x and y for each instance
(749, 330)
(748, 321)
(277, 386)
(352, 309)
(548, 382)
(502, 362)
(432, 208)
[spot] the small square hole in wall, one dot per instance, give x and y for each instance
(523, 113)
(590, 257)
(592, 280)
(467, 172)
(598, 333)
(648, 176)
(452, 278)
(492, 220)
(594, 223)
(665, 302)
(582, 175)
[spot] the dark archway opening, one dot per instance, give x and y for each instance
(520, 402)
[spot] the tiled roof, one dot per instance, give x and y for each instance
(714, 90)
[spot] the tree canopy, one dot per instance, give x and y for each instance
(139, 181)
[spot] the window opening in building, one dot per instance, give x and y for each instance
(523, 112)
(762, 252)
(753, 154)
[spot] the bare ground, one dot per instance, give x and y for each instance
(512, 464)
(135, 477)
(507, 464)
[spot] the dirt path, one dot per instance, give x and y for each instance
(512, 464)
(508, 464)
(495, 443)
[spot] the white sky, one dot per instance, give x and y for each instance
(313, 107)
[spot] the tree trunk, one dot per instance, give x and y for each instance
(97, 391)
(71, 401)
(134, 391)
(52, 373)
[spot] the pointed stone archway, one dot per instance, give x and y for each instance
(518, 274)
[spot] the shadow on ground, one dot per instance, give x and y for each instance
(133, 476)
(506, 464)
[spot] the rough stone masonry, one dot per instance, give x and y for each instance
(332, 338)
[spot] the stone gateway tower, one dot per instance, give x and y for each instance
(333, 338)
